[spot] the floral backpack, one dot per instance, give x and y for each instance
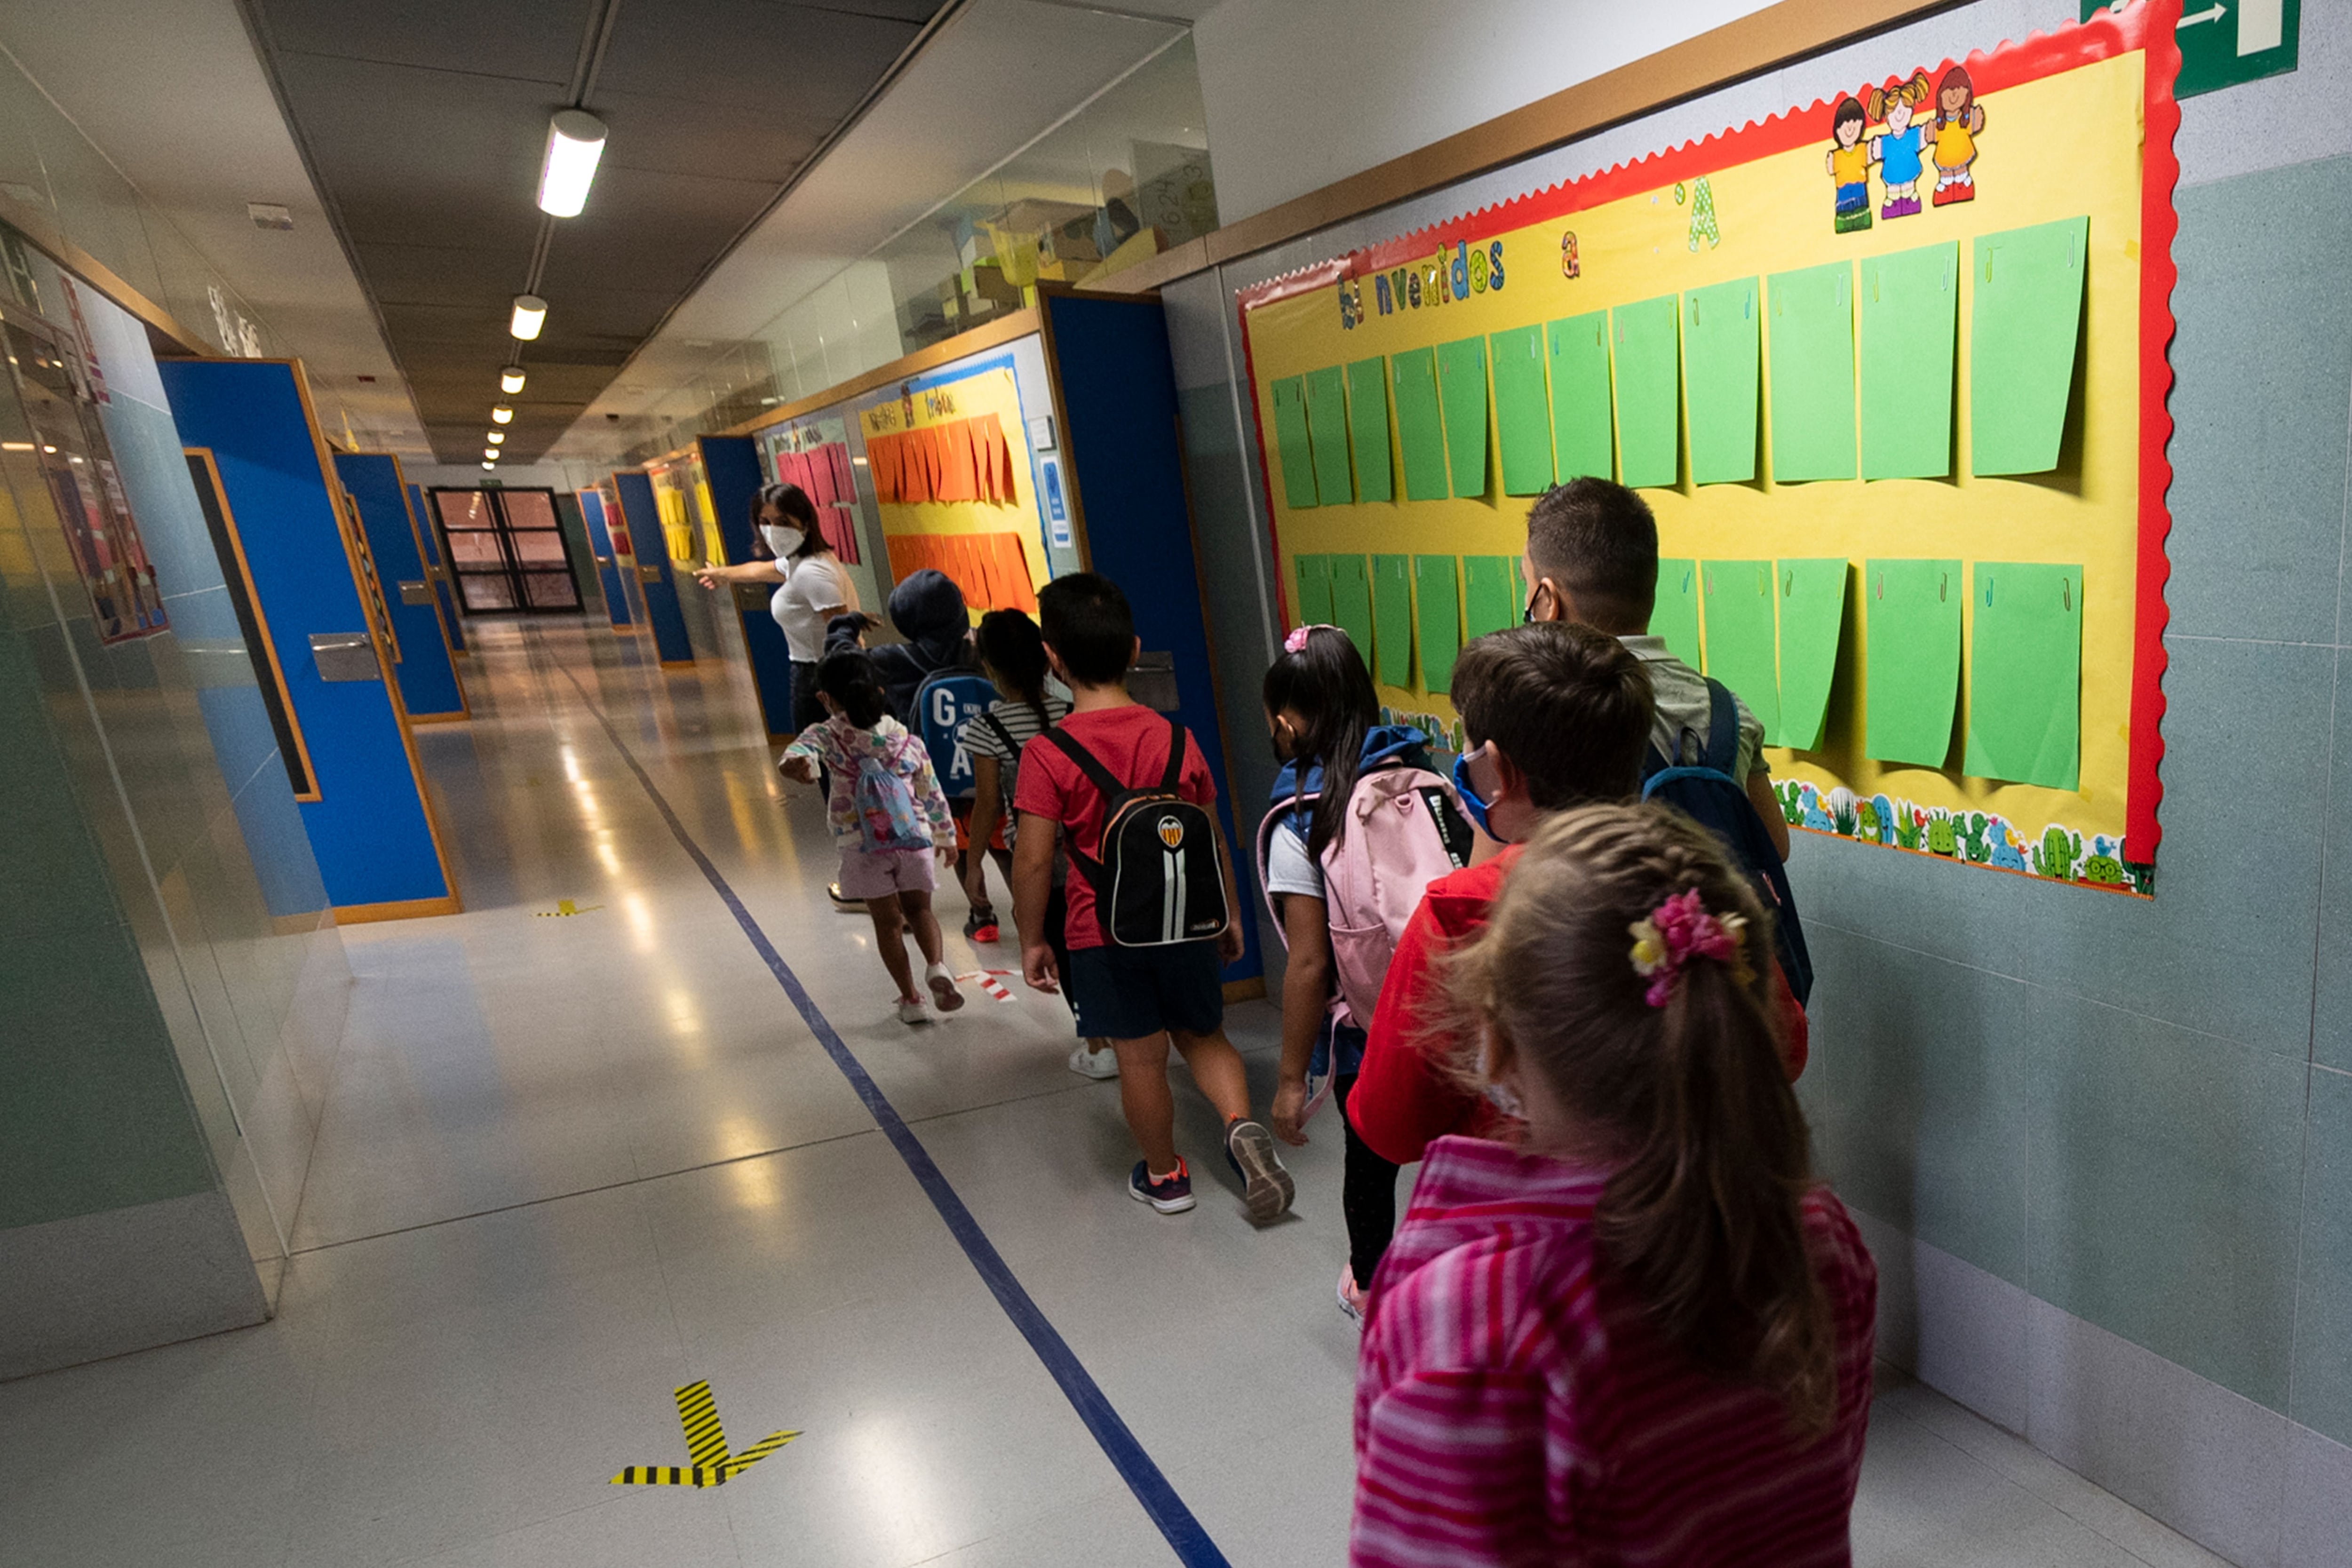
(888, 818)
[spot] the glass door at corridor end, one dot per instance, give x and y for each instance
(507, 550)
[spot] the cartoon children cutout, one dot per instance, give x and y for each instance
(1957, 124)
(1849, 165)
(1896, 148)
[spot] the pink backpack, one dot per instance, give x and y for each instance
(1404, 830)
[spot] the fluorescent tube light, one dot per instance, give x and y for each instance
(529, 315)
(575, 141)
(510, 381)
(501, 414)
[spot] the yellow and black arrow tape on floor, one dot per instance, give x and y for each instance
(705, 1445)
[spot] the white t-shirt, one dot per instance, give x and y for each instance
(1289, 869)
(813, 584)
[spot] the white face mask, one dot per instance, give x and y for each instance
(782, 540)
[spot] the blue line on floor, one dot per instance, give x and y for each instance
(1191, 1543)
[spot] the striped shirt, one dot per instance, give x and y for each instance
(1021, 722)
(1514, 1407)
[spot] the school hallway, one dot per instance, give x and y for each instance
(569, 1162)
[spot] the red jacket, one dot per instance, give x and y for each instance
(1405, 1097)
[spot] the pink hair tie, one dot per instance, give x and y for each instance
(1297, 640)
(1678, 930)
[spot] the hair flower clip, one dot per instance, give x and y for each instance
(1297, 641)
(1678, 930)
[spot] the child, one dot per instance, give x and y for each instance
(1324, 721)
(1645, 1333)
(1013, 656)
(1558, 715)
(1139, 997)
(1849, 167)
(1592, 556)
(889, 816)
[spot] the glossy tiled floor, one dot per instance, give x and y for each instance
(568, 1163)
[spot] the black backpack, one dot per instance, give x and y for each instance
(1158, 881)
(1710, 796)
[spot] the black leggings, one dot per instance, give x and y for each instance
(1367, 1195)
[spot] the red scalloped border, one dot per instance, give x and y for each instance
(2148, 25)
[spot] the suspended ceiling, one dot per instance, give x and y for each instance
(423, 125)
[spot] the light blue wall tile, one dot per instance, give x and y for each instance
(1919, 1096)
(2163, 1188)
(2322, 1323)
(1951, 911)
(2331, 1007)
(2225, 947)
(2263, 374)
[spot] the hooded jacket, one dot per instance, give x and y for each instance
(928, 610)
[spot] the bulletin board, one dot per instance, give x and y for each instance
(1890, 371)
(948, 459)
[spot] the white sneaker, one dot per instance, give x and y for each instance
(1088, 1062)
(914, 1012)
(1351, 1295)
(942, 980)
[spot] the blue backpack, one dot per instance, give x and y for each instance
(1710, 796)
(942, 705)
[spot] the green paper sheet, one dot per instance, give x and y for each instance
(1582, 440)
(2025, 673)
(1740, 641)
(1392, 619)
(1351, 602)
(1646, 366)
(1909, 305)
(1812, 618)
(1720, 378)
(1313, 605)
(1522, 410)
(1413, 380)
(1461, 383)
(1488, 583)
(2022, 333)
(1327, 433)
(1437, 620)
(1368, 429)
(1675, 615)
(1810, 324)
(1910, 660)
(1291, 451)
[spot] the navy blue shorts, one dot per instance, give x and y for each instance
(1132, 993)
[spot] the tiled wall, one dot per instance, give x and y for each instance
(2103, 1148)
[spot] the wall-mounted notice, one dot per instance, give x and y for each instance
(1889, 374)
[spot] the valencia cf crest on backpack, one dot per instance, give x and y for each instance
(1157, 883)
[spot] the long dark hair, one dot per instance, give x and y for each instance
(1015, 651)
(1704, 1217)
(1325, 683)
(848, 677)
(794, 504)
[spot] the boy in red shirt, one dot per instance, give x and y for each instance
(1140, 998)
(1558, 715)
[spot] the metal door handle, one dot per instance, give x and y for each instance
(345, 656)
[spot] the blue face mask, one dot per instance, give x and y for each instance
(1473, 805)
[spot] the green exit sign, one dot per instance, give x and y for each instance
(2225, 42)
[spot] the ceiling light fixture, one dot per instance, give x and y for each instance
(501, 414)
(510, 379)
(489, 465)
(575, 141)
(490, 452)
(529, 315)
(496, 436)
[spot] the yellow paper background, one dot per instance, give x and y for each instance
(2059, 147)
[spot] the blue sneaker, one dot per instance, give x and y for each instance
(1171, 1194)
(1266, 1187)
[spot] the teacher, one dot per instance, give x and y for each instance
(811, 586)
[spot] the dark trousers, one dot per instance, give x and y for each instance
(1367, 1195)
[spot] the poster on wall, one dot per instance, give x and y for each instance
(1889, 368)
(949, 457)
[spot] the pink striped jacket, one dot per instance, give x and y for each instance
(1513, 1405)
